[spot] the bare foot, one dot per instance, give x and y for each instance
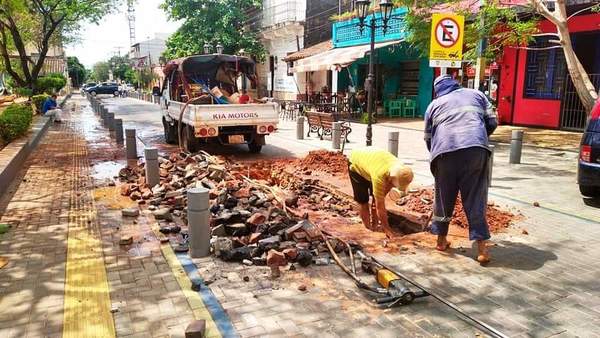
(442, 243)
(483, 256)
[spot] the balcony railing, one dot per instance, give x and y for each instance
(347, 33)
(277, 14)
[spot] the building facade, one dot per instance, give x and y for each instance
(280, 24)
(535, 88)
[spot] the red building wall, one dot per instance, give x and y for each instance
(513, 108)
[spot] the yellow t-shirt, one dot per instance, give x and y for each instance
(373, 164)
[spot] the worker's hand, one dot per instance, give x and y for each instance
(395, 194)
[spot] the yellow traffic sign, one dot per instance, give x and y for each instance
(447, 32)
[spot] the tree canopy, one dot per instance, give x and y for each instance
(100, 71)
(77, 71)
(212, 22)
(33, 26)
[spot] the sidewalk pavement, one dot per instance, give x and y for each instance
(535, 137)
(66, 229)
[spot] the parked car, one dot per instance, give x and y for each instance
(588, 175)
(86, 86)
(104, 88)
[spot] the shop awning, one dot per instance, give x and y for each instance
(336, 58)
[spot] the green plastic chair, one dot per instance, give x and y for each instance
(396, 108)
(410, 108)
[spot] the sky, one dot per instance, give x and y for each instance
(100, 42)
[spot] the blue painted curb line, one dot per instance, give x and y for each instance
(217, 312)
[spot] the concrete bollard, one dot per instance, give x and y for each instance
(105, 117)
(110, 121)
(336, 135)
(393, 137)
(516, 146)
(300, 128)
(119, 131)
(131, 144)
(491, 164)
(152, 169)
(198, 222)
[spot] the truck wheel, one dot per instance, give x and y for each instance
(190, 142)
(170, 132)
(254, 147)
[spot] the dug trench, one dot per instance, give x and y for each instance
(259, 208)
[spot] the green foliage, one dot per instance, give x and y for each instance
(23, 92)
(100, 71)
(144, 77)
(77, 71)
(501, 25)
(50, 83)
(34, 26)
(14, 122)
(213, 22)
(38, 101)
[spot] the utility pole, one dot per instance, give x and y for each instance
(131, 20)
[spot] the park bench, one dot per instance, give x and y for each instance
(322, 124)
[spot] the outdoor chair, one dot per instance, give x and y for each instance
(395, 108)
(410, 108)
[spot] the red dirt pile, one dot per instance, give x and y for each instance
(422, 202)
(331, 162)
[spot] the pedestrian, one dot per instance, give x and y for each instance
(373, 173)
(458, 123)
(50, 108)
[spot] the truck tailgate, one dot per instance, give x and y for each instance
(222, 115)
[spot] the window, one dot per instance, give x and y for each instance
(545, 72)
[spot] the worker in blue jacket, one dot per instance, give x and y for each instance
(458, 123)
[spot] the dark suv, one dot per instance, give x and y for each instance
(104, 88)
(588, 175)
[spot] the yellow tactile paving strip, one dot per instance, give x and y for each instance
(87, 302)
(193, 298)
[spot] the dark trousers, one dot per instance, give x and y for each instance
(464, 171)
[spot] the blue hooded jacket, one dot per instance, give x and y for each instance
(458, 118)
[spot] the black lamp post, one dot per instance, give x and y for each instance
(362, 8)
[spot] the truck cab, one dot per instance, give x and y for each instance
(200, 103)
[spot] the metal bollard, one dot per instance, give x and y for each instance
(300, 128)
(516, 145)
(198, 222)
(336, 135)
(119, 131)
(393, 137)
(131, 144)
(491, 164)
(152, 169)
(110, 121)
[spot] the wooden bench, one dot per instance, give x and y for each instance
(322, 124)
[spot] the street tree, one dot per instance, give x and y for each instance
(504, 26)
(214, 22)
(100, 71)
(121, 68)
(77, 71)
(581, 81)
(29, 27)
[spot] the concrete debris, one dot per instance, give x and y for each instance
(126, 240)
(249, 224)
(196, 329)
(130, 212)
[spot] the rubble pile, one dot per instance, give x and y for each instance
(249, 223)
(421, 202)
(331, 162)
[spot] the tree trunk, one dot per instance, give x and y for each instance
(585, 89)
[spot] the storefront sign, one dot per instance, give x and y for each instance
(447, 31)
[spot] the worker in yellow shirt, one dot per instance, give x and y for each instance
(373, 173)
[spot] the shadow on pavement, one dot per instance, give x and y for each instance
(516, 256)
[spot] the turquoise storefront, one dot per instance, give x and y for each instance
(400, 72)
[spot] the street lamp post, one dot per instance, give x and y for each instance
(362, 7)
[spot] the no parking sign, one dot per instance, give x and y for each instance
(447, 31)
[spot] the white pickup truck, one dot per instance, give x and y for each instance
(208, 122)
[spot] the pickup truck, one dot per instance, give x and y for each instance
(191, 107)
